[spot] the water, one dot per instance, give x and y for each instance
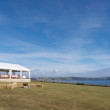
(95, 82)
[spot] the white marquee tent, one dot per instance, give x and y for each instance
(7, 67)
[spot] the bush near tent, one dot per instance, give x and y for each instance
(36, 85)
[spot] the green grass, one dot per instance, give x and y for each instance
(56, 96)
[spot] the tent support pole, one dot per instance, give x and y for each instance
(10, 72)
(29, 74)
(20, 74)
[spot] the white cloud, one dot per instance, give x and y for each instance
(45, 59)
(67, 62)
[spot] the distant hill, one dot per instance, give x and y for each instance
(105, 72)
(71, 78)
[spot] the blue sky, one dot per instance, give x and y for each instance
(70, 35)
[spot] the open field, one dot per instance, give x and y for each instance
(56, 96)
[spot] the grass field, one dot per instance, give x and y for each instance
(56, 97)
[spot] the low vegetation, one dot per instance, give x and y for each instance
(55, 96)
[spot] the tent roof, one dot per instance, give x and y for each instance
(15, 67)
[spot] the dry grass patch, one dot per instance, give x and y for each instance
(56, 97)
